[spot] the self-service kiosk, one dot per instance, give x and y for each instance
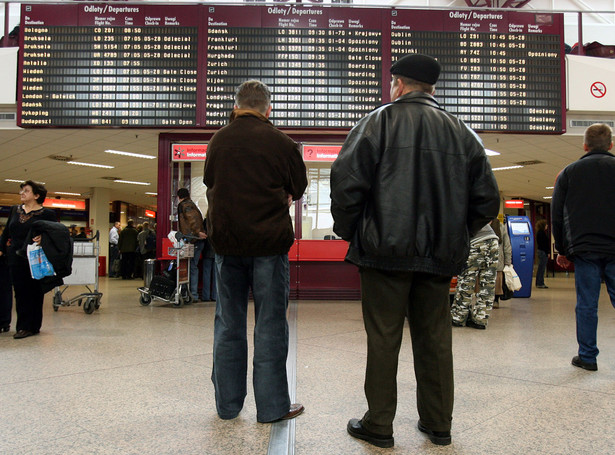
(522, 242)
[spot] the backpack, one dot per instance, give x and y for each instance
(150, 241)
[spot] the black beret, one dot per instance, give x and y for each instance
(419, 67)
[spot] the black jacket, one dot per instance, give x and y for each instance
(412, 183)
(58, 247)
(583, 206)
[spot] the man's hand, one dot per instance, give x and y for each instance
(290, 200)
(202, 235)
(563, 261)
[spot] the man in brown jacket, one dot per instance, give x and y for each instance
(190, 222)
(253, 172)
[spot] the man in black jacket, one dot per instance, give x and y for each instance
(583, 220)
(412, 183)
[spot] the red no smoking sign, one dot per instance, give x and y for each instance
(598, 89)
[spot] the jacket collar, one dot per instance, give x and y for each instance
(597, 152)
(418, 97)
(246, 113)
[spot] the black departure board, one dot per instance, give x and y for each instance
(135, 65)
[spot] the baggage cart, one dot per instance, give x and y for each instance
(167, 290)
(84, 273)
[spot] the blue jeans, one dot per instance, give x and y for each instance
(542, 267)
(588, 273)
(268, 277)
(194, 269)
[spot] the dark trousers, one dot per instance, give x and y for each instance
(127, 265)
(114, 253)
(388, 299)
(28, 297)
(6, 294)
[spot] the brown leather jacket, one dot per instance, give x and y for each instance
(190, 218)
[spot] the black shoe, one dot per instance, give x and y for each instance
(5, 329)
(356, 430)
(23, 334)
(457, 324)
(577, 362)
(441, 438)
(475, 325)
(542, 286)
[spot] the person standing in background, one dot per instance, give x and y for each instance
(28, 291)
(6, 293)
(543, 250)
(504, 258)
(409, 188)
(253, 172)
(190, 222)
(127, 244)
(583, 217)
(114, 251)
(209, 271)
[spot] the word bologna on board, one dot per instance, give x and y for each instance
(292, 10)
(466, 15)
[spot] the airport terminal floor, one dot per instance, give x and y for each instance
(130, 379)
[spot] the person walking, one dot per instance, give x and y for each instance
(114, 251)
(543, 250)
(409, 188)
(127, 244)
(29, 292)
(190, 222)
(253, 172)
(504, 258)
(477, 281)
(582, 218)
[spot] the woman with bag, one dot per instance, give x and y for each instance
(28, 291)
(504, 258)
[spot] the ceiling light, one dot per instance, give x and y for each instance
(131, 182)
(151, 194)
(547, 197)
(134, 155)
(549, 187)
(20, 181)
(81, 163)
(67, 194)
(490, 152)
(505, 168)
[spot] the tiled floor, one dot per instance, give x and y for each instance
(130, 379)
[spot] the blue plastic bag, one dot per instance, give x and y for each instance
(40, 266)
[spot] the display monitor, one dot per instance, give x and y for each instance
(520, 228)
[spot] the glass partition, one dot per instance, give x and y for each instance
(316, 219)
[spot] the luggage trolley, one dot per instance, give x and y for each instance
(168, 290)
(84, 272)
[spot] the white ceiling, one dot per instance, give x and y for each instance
(24, 155)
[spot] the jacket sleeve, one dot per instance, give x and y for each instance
(484, 195)
(297, 182)
(507, 246)
(352, 174)
(557, 212)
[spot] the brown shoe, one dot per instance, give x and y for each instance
(295, 410)
(23, 334)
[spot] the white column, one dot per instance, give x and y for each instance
(99, 218)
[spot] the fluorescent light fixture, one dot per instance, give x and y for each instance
(547, 197)
(549, 187)
(134, 155)
(151, 194)
(131, 182)
(505, 168)
(490, 152)
(67, 194)
(20, 181)
(81, 163)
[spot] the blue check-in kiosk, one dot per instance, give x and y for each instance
(522, 242)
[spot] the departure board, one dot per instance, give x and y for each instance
(136, 65)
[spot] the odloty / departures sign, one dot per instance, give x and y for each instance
(161, 66)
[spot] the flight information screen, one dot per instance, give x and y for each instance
(135, 65)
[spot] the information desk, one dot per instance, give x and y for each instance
(138, 65)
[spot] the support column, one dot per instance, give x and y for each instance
(99, 219)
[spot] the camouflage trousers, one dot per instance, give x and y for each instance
(478, 279)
